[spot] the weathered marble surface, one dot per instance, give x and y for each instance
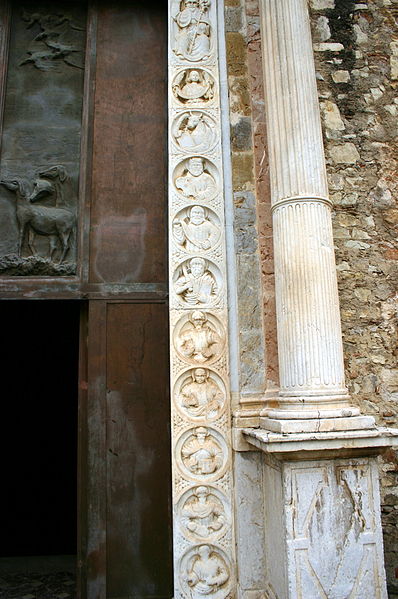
(334, 546)
(204, 560)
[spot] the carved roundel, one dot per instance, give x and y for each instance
(205, 571)
(200, 394)
(199, 338)
(202, 454)
(194, 87)
(197, 283)
(196, 179)
(196, 229)
(194, 132)
(203, 513)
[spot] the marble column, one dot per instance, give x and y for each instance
(322, 531)
(313, 395)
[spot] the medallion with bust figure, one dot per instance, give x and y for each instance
(196, 183)
(194, 86)
(196, 285)
(203, 514)
(194, 131)
(196, 232)
(207, 573)
(200, 396)
(201, 453)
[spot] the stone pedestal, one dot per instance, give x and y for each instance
(323, 535)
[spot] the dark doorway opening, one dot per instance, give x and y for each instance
(39, 358)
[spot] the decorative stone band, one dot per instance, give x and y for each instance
(295, 199)
(200, 408)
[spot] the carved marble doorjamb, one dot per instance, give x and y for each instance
(202, 478)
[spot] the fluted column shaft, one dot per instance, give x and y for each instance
(308, 319)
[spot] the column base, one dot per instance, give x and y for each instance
(316, 425)
(305, 445)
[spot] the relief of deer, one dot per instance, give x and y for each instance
(60, 182)
(56, 223)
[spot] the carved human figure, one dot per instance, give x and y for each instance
(195, 183)
(192, 37)
(200, 341)
(207, 572)
(193, 87)
(201, 396)
(196, 231)
(194, 132)
(196, 285)
(201, 454)
(203, 514)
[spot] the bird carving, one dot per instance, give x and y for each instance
(48, 46)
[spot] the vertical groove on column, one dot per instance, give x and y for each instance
(309, 327)
(309, 333)
(296, 156)
(293, 104)
(280, 131)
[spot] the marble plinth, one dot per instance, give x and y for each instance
(322, 513)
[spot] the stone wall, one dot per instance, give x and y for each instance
(253, 234)
(356, 55)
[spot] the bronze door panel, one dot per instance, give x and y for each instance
(129, 463)
(127, 239)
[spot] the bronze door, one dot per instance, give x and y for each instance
(128, 542)
(83, 217)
